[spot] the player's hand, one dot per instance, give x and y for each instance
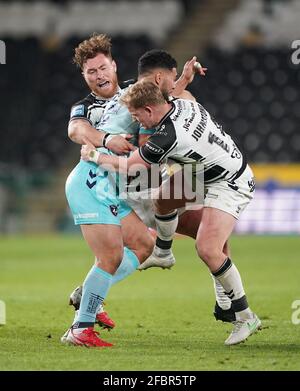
(190, 69)
(86, 152)
(120, 145)
(198, 68)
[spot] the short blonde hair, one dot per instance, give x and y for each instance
(97, 43)
(143, 93)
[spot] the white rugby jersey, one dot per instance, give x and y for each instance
(188, 135)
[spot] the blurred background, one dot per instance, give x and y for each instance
(252, 88)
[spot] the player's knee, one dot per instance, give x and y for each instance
(110, 256)
(208, 252)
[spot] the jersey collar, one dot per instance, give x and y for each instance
(104, 99)
(171, 111)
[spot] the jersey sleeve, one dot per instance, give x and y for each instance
(160, 145)
(80, 111)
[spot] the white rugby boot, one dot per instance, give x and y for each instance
(159, 258)
(243, 328)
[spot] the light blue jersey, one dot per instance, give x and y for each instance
(116, 119)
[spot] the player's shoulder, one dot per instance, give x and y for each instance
(178, 107)
(86, 101)
(166, 131)
(80, 107)
(183, 108)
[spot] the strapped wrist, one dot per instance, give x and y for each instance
(94, 156)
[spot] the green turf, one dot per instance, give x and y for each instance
(164, 318)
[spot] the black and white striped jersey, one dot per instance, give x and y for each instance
(92, 107)
(188, 135)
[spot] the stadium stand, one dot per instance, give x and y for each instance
(254, 93)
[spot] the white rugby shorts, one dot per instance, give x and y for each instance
(231, 197)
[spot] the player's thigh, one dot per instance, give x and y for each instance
(105, 241)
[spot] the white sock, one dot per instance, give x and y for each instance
(222, 299)
(230, 279)
(166, 227)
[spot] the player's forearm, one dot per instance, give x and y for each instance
(114, 163)
(187, 76)
(111, 163)
(180, 86)
(79, 132)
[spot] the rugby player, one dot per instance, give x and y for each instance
(107, 223)
(100, 213)
(186, 132)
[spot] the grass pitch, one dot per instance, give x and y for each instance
(164, 318)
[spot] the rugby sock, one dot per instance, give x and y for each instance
(166, 228)
(230, 279)
(222, 299)
(94, 290)
(128, 265)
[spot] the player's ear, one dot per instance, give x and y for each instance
(114, 65)
(148, 109)
(157, 78)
